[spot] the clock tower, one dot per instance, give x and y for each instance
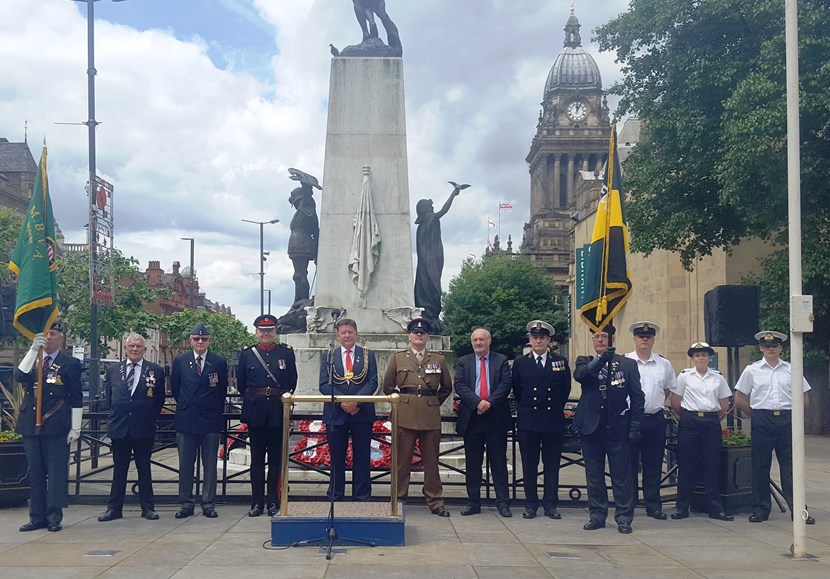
(571, 137)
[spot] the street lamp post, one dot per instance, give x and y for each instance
(269, 301)
(262, 257)
(192, 274)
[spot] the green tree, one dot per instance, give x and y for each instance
(10, 223)
(708, 80)
(502, 295)
(128, 314)
(228, 335)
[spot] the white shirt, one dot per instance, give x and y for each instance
(768, 387)
(536, 357)
(701, 393)
(656, 376)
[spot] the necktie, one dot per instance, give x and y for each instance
(130, 375)
(47, 363)
(349, 366)
(199, 365)
(420, 357)
(482, 381)
(539, 362)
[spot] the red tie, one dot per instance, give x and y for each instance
(349, 366)
(482, 382)
(199, 365)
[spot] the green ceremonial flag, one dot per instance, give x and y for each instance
(607, 281)
(33, 261)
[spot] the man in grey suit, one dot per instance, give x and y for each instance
(482, 381)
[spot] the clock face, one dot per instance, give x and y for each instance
(577, 111)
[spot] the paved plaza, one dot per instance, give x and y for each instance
(485, 545)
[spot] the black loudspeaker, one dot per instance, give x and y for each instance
(730, 315)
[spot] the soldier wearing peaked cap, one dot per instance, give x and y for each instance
(199, 382)
(265, 372)
(657, 378)
(423, 380)
(764, 391)
(700, 397)
(541, 382)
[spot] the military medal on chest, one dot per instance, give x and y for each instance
(53, 377)
(150, 380)
(214, 379)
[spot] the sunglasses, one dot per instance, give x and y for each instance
(200, 338)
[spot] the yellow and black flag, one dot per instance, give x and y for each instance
(607, 281)
(33, 261)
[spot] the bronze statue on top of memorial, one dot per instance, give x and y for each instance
(372, 45)
(305, 231)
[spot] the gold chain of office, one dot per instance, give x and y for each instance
(338, 379)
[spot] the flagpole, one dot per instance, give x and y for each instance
(39, 391)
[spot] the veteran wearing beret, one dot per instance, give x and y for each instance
(700, 397)
(657, 378)
(541, 382)
(423, 380)
(265, 372)
(199, 382)
(764, 392)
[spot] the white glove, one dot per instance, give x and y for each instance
(29, 359)
(75, 432)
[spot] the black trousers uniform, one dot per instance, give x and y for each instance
(650, 451)
(771, 430)
(699, 449)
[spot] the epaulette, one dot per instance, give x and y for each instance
(662, 356)
(289, 346)
(716, 371)
(686, 370)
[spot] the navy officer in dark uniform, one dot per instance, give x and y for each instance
(541, 386)
(349, 369)
(47, 445)
(135, 393)
(266, 371)
(606, 424)
(199, 381)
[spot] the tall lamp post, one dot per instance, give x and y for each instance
(269, 301)
(192, 274)
(262, 257)
(91, 123)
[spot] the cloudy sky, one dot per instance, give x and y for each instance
(204, 104)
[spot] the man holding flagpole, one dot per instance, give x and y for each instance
(50, 417)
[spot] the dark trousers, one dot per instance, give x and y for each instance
(699, 448)
(48, 457)
(361, 433)
(265, 442)
(612, 443)
(650, 451)
(482, 433)
(122, 449)
(430, 442)
(207, 445)
(770, 432)
(549, 445)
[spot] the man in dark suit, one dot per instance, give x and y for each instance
(541, 386)
(482, 381)
(265, 372)
(47, 445)
(135, 396)
(352, 370)
(606, 425)
(199, 381)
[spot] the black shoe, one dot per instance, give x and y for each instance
(184, 513)
(32, 527)
(273, 510)
(54, 528)
(808, 521)
(504, 511)
(659, 515)
(109, 516)
(757, 518)
(210, 513)
(442, 512)
(255, 511)
(469, 510)
(593, 525)
(722, 517)
(150, 515)
(677, 515)
(552, 513)
(624, 528)
(529, 513)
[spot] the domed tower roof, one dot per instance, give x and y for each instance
(573, 68)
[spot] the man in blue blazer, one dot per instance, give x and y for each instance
(541, 386)
(350, 370)
(135, 396)
(199, 381)
(482, 381)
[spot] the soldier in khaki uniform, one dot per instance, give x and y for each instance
(423, 380)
